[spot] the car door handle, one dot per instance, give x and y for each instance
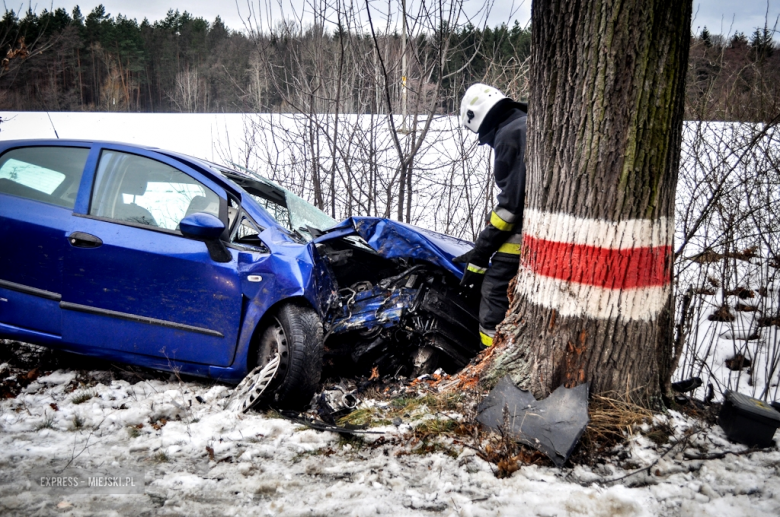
(84, 240)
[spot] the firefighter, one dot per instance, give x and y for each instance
(500, 123)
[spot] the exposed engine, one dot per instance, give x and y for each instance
(403, 318)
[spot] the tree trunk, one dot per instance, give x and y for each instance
(593, 299)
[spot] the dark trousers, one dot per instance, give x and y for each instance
(494, 301)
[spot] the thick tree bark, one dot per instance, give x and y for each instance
(593, 298)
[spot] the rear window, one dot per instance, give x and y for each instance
(48, 174)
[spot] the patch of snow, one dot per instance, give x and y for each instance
(58, 377)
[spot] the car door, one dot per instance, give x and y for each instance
(132, 282)
(38, 189)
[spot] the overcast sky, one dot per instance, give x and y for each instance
(719, 16)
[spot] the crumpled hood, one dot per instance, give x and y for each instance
(393, 239)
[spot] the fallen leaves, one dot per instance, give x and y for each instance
(159, 424)
(723, 314)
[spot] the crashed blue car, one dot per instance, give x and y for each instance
(161, 260)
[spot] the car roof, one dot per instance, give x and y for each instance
(69, 141)
(200, 163)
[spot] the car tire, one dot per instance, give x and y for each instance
(295, 331)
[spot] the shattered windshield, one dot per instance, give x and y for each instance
(294, 213)
(304, 215)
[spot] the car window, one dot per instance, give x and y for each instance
(289, 210)
(49, 174)
(139, 190)
(247, 233)
(303, 214)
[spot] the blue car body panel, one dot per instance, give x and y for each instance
(155, 298)
(152, 275)
(392, 239)
(35, 263)
(374, 308)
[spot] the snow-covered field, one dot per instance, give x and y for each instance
(198, 459)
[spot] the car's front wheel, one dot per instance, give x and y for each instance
(288, 360)
(295, 333)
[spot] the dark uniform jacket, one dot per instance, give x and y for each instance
(507, 136)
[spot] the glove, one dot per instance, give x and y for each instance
(471, 283)
(463, 259)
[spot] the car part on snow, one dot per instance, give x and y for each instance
(303, 419)
(553, 425)
(747, 420)
(248, 393)
(334, 402)
(687, 385)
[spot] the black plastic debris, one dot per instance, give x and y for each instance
(553, 425)
(747, 420)
(687, 385)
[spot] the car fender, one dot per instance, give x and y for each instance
(289, 273)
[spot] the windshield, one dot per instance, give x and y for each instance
(303, 214)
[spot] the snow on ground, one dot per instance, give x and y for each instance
(198, 459)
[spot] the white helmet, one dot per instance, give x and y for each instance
(476, 103)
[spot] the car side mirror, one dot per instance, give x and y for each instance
(206, 227)
(201, 226)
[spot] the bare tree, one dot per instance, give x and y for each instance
(340, 59)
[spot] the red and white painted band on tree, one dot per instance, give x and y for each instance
(596, 268)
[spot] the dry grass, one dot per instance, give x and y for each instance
(612, 421)
(84, 396)
(508, 455)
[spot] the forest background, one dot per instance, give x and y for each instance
(60, 61)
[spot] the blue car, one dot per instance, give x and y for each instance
(153, 258)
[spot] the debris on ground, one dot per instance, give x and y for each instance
(338, 400)
(748, 421)
(553, 425)
(334, 402)
(687, 385)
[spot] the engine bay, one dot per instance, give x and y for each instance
(393, 316)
